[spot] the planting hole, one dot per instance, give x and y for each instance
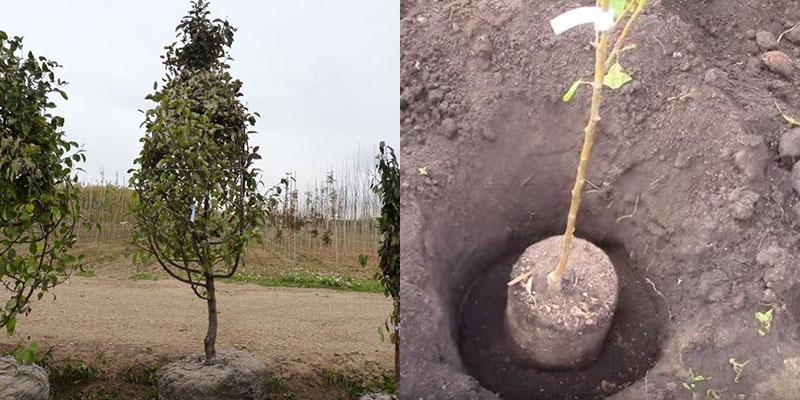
(631, 347)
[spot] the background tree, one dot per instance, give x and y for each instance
(198, 203)
(388, 188)
(39, 205)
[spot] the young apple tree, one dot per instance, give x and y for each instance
(607, 72)
(388, 188)
(195, 180)
(39, 205)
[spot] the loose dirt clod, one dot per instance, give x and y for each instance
(766, 41)
(743, 202)
(789, 146)
(378, 396)
(235, 375)
(567, 329)
(796, 177)
(752, 161)
(779, 62)
(22, 382)
(793, 35)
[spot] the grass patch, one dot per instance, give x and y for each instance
(69, 376)
(301, 280)
(89, 273)
(143, 375)
(144, 276)
(277, 388)
(140, 374)
(103, 394)
(356, 385)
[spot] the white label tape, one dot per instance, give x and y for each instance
(602, 20)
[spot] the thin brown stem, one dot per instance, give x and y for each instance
(555, 277)
(211, 336)
(618, 44)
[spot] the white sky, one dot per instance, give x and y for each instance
(324, 75)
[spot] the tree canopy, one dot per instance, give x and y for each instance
(388, 188)
(39, 205)
(195, 180)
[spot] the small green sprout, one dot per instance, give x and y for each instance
(765, 321)
(615, 78)
(422, 171)
(570, 93)
(618, 6)
(694, 379)
(738, 368)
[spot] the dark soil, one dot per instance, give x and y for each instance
(687, 194)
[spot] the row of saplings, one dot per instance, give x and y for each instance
(197, 190)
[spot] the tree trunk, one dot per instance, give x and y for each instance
(211, 336)
(396, 328)
(397, 359)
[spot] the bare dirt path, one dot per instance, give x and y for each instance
(297, 332)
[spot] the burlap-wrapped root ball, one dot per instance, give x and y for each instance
(378, 396)
(235, 375)
(566, 329)
(22, 382)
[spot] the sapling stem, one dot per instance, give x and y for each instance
(606, 67)
(554, 278)
(624, 34)
(602, 63)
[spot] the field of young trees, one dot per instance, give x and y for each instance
(323, 225)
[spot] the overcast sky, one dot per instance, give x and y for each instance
(324, 75)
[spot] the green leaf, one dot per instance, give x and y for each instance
(380, 333)
(765, 321)
(618, 7)
(570, 93)
(616, 77)
(11, 325)
(26, 356)
(34, 248)
(765, 316)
